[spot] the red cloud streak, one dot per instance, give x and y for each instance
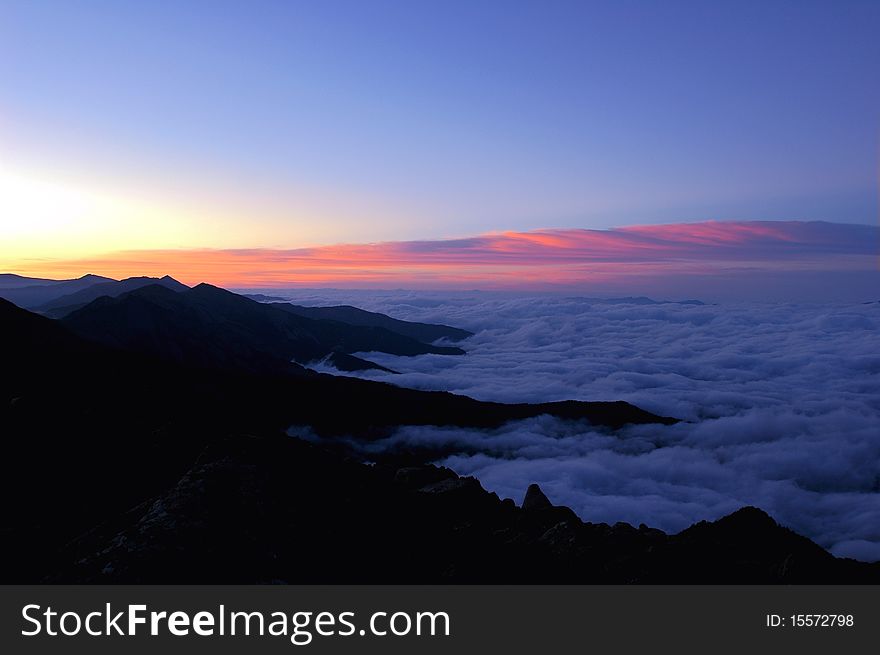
(542, 259)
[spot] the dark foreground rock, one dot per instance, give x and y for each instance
(258, 510)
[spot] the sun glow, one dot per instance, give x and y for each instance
(46, 218)
(35, 209)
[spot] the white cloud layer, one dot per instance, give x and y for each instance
(782, 403)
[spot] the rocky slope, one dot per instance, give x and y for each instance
(258, 510)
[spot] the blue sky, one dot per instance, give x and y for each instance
(283, 124)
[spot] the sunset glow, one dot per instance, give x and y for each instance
(43, 219)
(408, 155)
(543, 259)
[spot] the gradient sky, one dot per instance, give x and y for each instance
(282, 125)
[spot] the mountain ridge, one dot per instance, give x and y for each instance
(64, 305)
(31, 296)
(91, 431)
(207, 486)
(204, 323)
(425, 332)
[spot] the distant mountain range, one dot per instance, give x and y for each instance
(64, 305)
(31, 293)
(208, 326)
(168, 319)
(146, 440)
(13, 281)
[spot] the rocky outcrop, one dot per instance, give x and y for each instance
(256, 509)
(535, 499)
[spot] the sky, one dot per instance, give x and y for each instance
(134, 134)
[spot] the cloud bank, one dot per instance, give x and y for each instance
(711, 259)
(782, 403)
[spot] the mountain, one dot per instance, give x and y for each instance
(13, 281)
(208, 326)
(31, 346)
(42, 354)
(123, 467)
(43, 291)
(265, 506)
(425, 332)
(91, 431)
(69, 303)
(350, 363)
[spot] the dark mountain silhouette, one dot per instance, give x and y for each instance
(350, 363)
(535, 498)
(13, 281)
(425, 332)
(208, 326)
(65, 305)
(44, 354)
(90, 431)
(43, 291)
(254, 510)
(125, 467)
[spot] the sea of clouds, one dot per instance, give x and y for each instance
(780, 402)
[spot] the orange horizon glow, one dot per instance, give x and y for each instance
(527, 260)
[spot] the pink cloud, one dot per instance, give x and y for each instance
(541, 259)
